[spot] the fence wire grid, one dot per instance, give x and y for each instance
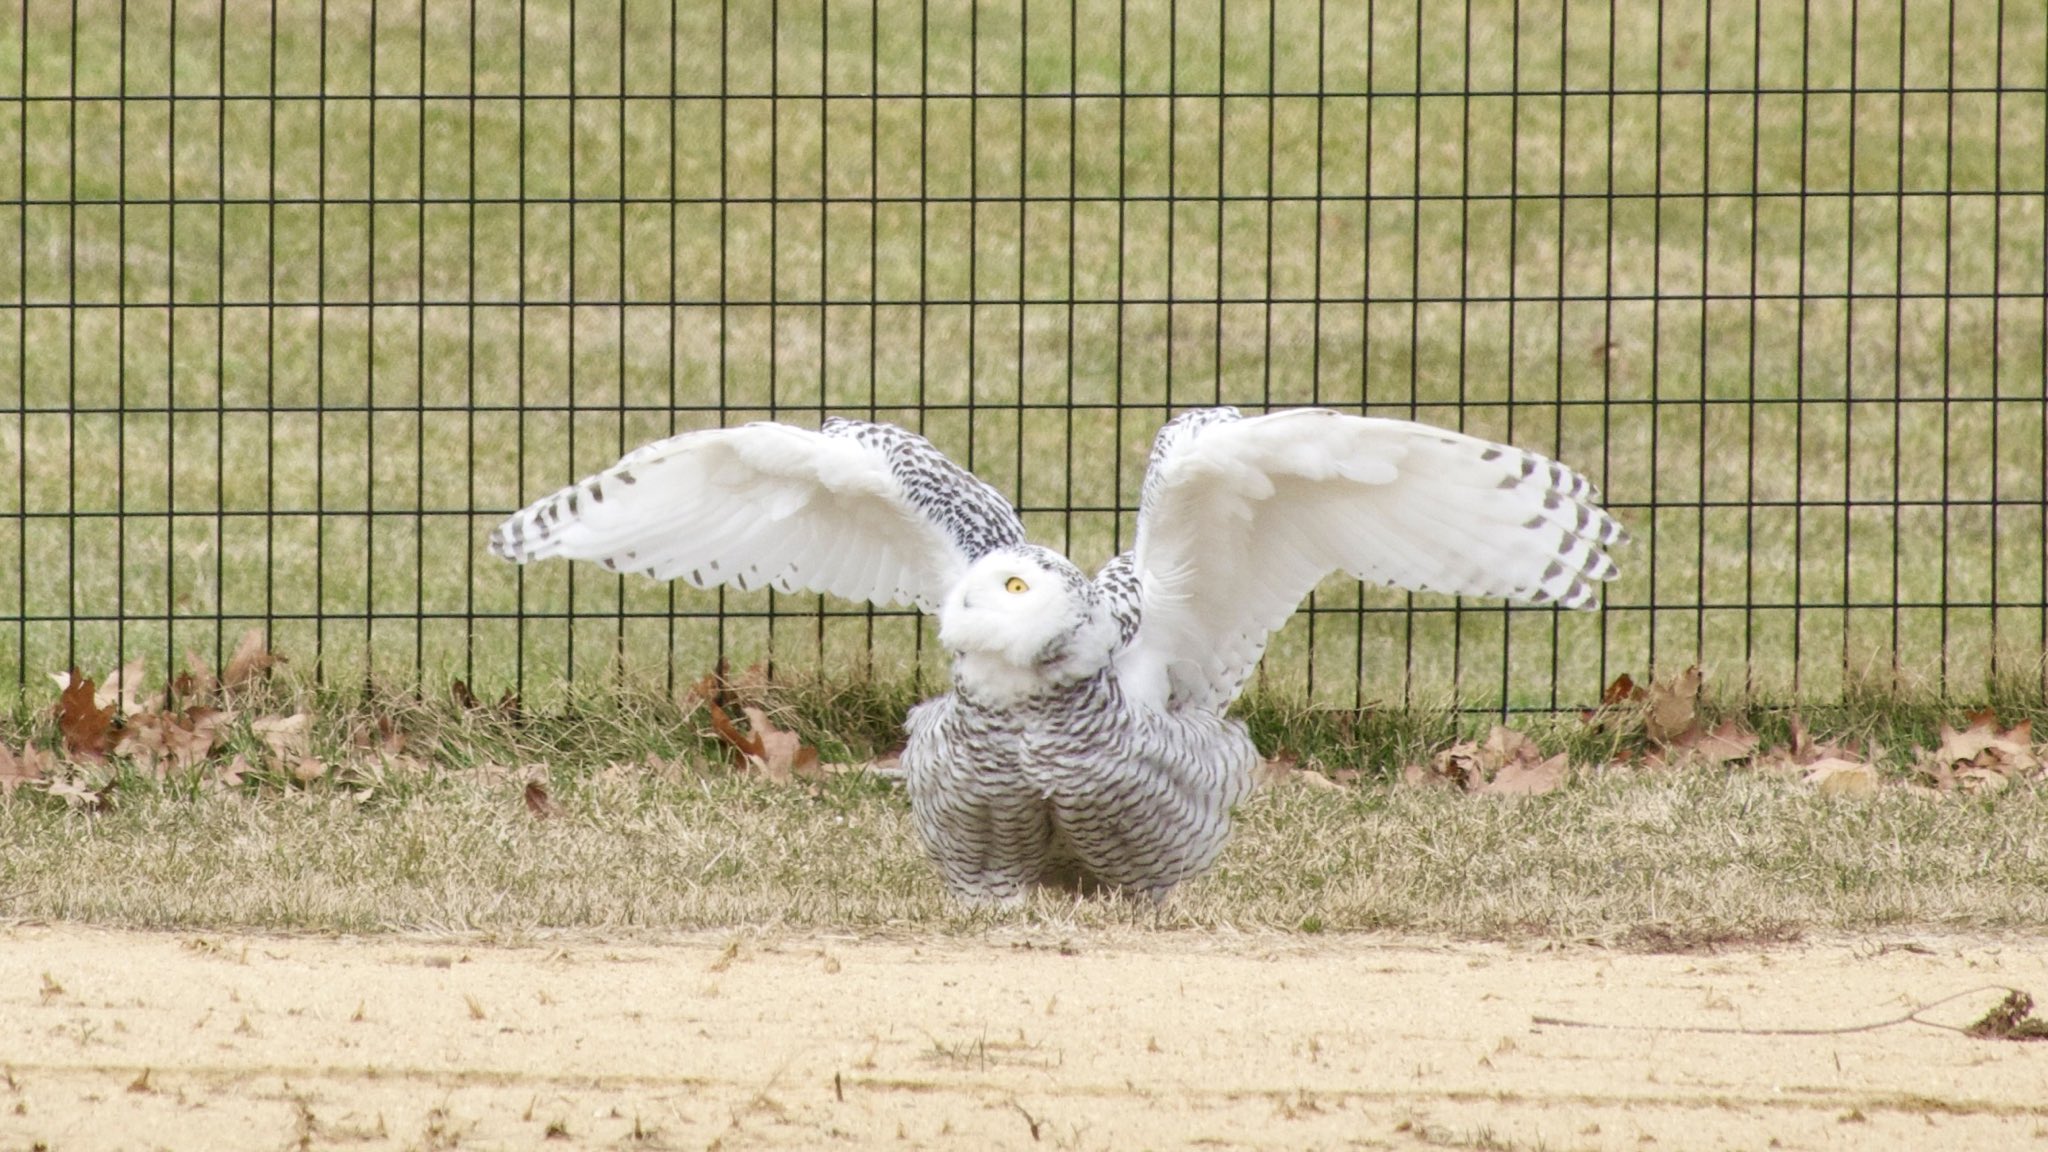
(298, 298)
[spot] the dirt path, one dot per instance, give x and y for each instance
(125, 1040)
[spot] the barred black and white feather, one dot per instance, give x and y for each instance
(857, 510)
(1241, 517)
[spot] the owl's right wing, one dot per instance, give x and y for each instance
(858, 510)
(1241, 517)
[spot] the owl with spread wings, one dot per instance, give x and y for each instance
(1085, 742)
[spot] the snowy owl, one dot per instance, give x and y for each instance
(1085, 743)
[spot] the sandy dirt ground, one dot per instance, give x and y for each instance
(138, 1040)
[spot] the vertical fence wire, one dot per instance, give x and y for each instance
(308, 293)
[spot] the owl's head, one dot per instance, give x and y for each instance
(1023, 619)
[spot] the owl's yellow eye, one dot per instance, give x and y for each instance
(1016, 584)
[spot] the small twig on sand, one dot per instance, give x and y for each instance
(2009, 1020)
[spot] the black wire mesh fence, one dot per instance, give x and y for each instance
(297, 298)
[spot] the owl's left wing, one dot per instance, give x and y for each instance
(1241, 518)
(863, 511)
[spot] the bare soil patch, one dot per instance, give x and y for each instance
(118, 1039)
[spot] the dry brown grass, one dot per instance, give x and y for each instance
(1652, 861)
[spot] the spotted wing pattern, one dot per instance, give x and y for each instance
(1241, 517)
(858, 510)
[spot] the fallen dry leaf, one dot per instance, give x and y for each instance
(1804, 753)
(84, 724)
(1506, 763)
(1728, 741)
(1419, 776)
(126, 683)
(466, 699)
(118, 689)
(29, 766)
(231, 774)
(1673, 707)
(777, 755)
(287, 737)
(1620, 705)
(1968, 744)
(385, 740)
(539, 803)
(1981, 757)
(1277, 768)
(1696, 747)
(309, 769)
(1836, 777)
(709, 689)
(1975, 779)
(172, 741)
(1315, 780)
(1285, 768)
(746, 744)
(785, 755)
(1623, 689)
(252, 658)
(78, 792)
(1450, 768)
(197, 683)
(1521, 777)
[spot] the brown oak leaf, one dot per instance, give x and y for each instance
(29, 766)
(81, 793)
(251, 659)
(1833, 776)
(229, 775)
(1621, 690)
(1506, 763)
(539, 803)
(1673, 708)
(172, 741)
(1527, 777)
(287, 737)
(777, 755)
(1981, 757)
(85, 725)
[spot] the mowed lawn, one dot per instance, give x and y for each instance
(294, 307)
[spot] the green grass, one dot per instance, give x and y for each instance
(456, 304)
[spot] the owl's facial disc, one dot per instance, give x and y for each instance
(1010, 604)
(1021, 621)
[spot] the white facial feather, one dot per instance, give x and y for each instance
(1023, 619)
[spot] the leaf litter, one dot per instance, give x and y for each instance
(761, 747)
(1506, 763)
(188, 730)
(1665, 727)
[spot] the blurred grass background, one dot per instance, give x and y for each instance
(305, 296)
